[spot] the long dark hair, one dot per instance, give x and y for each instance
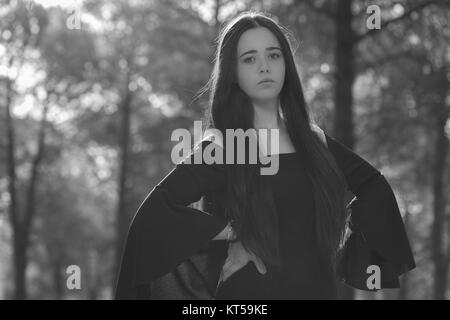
(248, 200)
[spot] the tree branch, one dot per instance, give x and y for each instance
(388, 56)
(187, 13)
(325, 10)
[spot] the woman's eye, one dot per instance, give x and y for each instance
(249, 59)
(274, 55)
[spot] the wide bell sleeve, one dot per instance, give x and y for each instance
(378, 234)
(165, 231)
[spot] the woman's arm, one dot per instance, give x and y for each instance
(165, 231)
(379, 237)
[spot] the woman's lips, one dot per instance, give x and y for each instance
(266, 81)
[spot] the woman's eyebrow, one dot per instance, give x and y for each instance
(254, 51)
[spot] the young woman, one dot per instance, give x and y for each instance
(259, 236)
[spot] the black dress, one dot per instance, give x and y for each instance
(170, 254)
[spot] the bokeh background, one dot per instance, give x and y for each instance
(90, 92)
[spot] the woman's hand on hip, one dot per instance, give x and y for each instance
(237, 258)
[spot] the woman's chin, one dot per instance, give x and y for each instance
(265, 96)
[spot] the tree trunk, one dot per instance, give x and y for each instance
(441, 146)
(34, 176)
(404, 282)
(216, 17)
(343, 96)
(58, 280)
(18, 239)
(440, 267)
(345, 74)
(92, 275)
(21, 226)
(122, 215)
(20, 264)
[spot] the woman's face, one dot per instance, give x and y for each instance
(259, 57)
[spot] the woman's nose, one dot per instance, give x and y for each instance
(264, 66)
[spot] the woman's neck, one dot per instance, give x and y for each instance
(267, 116)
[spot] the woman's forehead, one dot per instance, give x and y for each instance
(257, 39)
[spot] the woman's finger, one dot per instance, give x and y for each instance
(220, 277)
(260, 266)
(228, 271)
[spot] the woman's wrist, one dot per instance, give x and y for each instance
(231, 235)
(226, 234)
